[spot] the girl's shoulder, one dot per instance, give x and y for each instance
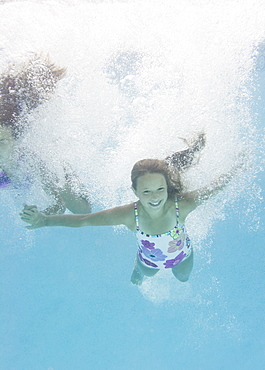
(186, 205)
(129, 216)
(120, 215)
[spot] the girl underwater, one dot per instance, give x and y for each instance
(20, 93)
(157, 218)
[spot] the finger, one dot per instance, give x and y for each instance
(26, 214)
(30, 207)
(30, 210)
(26, 219)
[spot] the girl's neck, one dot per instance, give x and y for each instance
(154, 215)
(158, 222)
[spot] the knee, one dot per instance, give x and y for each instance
(149, 272)
(183, 278)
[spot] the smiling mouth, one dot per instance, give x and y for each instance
(155, 204)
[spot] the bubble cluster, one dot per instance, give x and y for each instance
(139, 78)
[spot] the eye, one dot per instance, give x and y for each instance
(161, 189)
(146, 192)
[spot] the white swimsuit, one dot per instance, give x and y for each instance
(165, 250)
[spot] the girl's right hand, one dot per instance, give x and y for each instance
(31, 215)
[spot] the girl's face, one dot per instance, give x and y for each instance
(152, 191)
(6, 144)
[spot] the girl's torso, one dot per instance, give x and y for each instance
(164, 250)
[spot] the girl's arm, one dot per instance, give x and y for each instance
(122, 215)
(202, 194)
(184, 159)
(191, 200)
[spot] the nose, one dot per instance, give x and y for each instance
(154, 198)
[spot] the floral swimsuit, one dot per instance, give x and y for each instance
(165, 250)
(23, 179)
(4, 180)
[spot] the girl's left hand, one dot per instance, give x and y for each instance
(31, 215)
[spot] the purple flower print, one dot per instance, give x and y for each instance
(148, 263)
(175, 245)
(174, 262)
(154, 254)
(147, 244)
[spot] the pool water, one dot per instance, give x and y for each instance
(139, 76)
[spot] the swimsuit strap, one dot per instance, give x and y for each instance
(177, 209)
(136, 216)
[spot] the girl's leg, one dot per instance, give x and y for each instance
(183, 270)
(140, 271)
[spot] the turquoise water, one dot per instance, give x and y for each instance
(140, 74)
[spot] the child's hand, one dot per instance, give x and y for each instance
(31, 215)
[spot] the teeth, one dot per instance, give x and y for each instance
(155, 204)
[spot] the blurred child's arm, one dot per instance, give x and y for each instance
(74, 194)
(71, 195)
(58, 206)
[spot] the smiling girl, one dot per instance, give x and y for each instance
(157, 218)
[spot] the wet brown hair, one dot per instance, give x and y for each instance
(22, 91)
(144, 166)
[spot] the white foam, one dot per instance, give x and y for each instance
(189, 68)
(163, 287)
